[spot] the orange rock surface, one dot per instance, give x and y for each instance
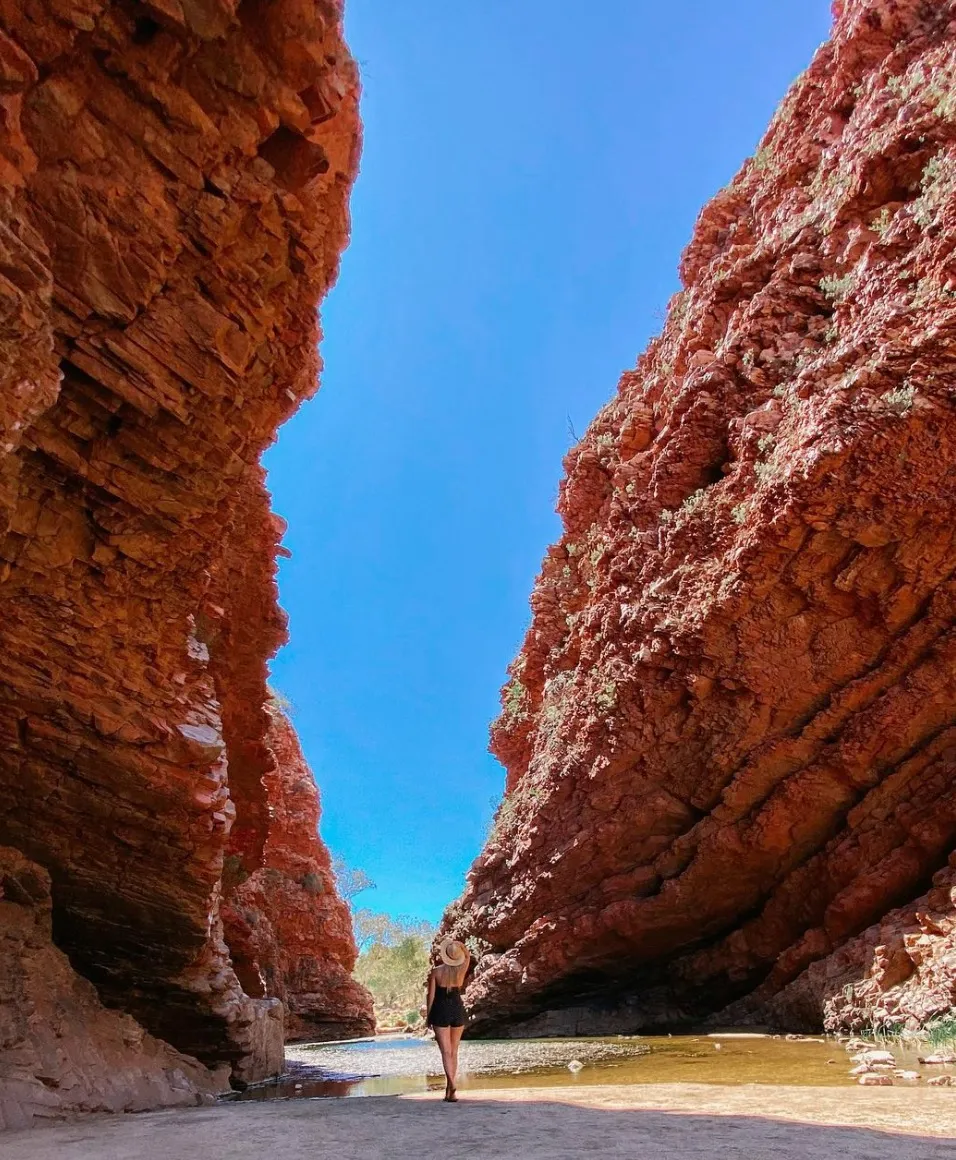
(173, 206)
(729, 735)
(900, 973)
(289, 932)
(61, 1051)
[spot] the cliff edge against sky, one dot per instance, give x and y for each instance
(729, 734)
(174, 203)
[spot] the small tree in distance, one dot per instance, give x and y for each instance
(373, 929)
(350, 882)
(393, 952)
(393, 964)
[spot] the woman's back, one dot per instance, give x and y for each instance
(448, 977)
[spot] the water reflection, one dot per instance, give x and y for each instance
(304, 1088)
(400, 1065)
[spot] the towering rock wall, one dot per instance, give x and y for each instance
(173, 206)
(729, 735)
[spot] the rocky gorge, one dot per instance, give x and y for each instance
(730, 733)
(174, 203)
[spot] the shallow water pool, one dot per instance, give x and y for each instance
(399, 1065)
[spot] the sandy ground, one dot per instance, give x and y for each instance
(685, 1121)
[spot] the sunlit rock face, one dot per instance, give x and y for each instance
(729, 732)
(174, 203)
(289, 932)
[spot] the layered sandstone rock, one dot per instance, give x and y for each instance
(289, 932)
(174, 203)
(61, 1051)
(729, 735)
(899, 974)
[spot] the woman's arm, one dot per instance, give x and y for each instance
(430, 998)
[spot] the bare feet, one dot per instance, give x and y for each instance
(451, 1093)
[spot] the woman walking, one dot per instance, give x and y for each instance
(446, 1012)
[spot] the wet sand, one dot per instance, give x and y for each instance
(685, 1121)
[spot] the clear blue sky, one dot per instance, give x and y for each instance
(532, 170)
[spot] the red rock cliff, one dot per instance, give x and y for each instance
(174, 203)
(61, 1051)
(729, 735)
(289, 932)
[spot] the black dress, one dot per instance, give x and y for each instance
(447, 1009)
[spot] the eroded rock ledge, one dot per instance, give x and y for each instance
(289, 932)
(174, 203)
(729, 735)
(61, 1051)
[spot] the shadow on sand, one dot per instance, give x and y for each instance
(478, 1128)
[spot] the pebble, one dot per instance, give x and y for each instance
(938, 1057)
(872, 1080)
(879, 1058)
(943, 1081)
(902, 1074)
(575, 1065)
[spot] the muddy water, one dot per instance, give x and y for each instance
(400, 1065)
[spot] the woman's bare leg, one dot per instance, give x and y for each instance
(455, 1034)
(443, 1039)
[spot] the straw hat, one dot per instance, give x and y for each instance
(452, 952)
